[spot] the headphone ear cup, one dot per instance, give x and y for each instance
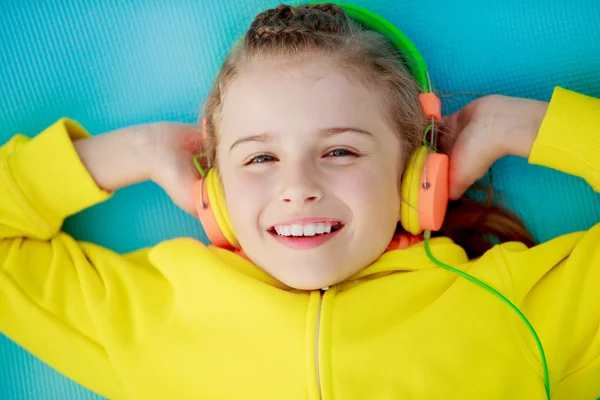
(214, 216)
(409, 203)
(424, 208)
(433, 200)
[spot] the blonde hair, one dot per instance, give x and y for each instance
(285, 32)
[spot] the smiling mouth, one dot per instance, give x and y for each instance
(306, 230)
(305, 236)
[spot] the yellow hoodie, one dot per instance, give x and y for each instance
(183, 320)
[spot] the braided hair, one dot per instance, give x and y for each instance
(297, 24)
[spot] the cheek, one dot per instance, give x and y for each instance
(373, 192)
(245, 198)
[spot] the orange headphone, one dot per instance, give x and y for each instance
(425, 184)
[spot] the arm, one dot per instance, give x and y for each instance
(569, 140)
(70, 303)
(45, 180)
(562, 134)
(558, 282)
(36, 177)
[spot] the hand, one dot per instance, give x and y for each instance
(162, 152)
(174, 147)
(485, 130)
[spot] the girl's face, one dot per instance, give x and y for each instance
(302, 154)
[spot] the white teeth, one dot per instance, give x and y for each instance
(320, 229)
(310, 230)
(297, 230)
(303, 230)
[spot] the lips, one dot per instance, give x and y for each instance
(306, 233)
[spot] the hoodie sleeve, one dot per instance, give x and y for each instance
(43, 181)
(558, 282)
(51, 286)
(569, 137)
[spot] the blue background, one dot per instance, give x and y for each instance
(109, 64)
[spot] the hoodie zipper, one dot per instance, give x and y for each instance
(321, 294)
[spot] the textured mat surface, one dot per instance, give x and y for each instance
(110, 64)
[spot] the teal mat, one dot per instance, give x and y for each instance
(111, 64)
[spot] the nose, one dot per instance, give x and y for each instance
(300, 185)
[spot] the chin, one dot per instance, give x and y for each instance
(312, 278)
(304, 284)
(310, 269)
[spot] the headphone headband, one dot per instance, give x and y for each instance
(409, 52)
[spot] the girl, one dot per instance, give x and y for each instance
(311, 124)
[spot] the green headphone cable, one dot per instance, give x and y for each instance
(503, 298)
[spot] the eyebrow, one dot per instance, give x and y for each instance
(324, 133)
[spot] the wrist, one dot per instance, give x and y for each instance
(155, 152)
(119, 158)
(145, 147)
(532, 115)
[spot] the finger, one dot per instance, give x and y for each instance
(185, 196)
(448, 132)
(453, 125)
(470, 160)
(187, 202)
(178, 182)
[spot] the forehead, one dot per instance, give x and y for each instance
(270, 96)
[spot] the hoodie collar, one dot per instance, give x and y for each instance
(405, 253)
